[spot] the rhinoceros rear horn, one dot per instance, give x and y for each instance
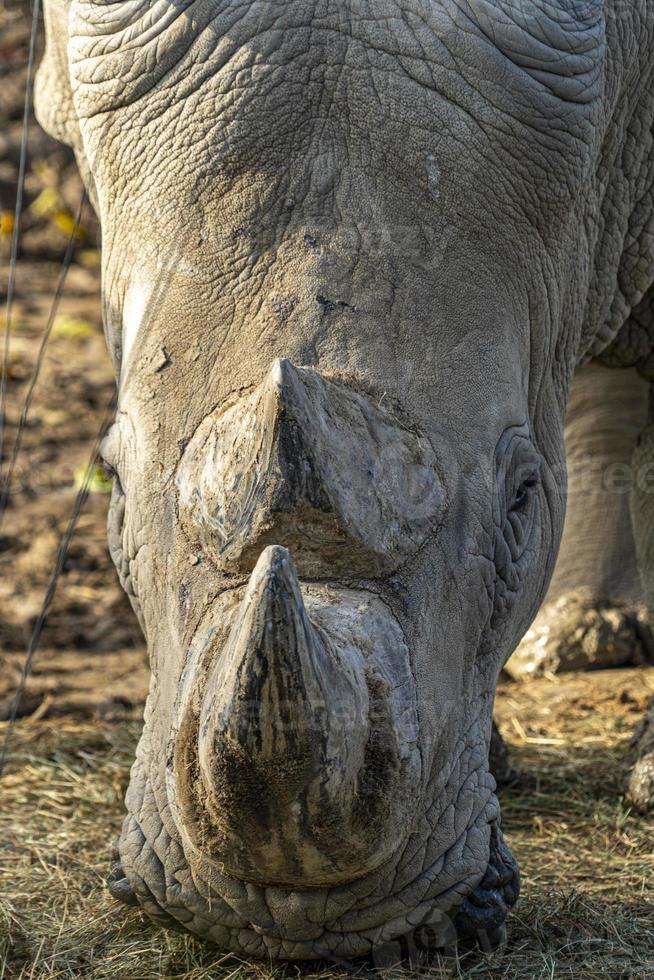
(309, 462)
(300, 754)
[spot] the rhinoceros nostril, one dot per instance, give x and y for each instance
(309, 462)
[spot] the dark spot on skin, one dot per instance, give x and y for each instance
(329, 305)
(162, 360)
(184, 595)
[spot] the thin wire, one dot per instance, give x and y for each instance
(80, 500)
(11, 285)
(5, 490)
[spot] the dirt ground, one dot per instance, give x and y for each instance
(587, 860)
(91, 658)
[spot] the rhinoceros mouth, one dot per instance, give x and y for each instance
(482, 915)
(477, 920)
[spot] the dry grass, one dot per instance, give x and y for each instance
(587, 861)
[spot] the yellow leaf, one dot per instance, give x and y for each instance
(71, 327)
(7, 222)
(47, 201)
(66, 223)
(89, 257)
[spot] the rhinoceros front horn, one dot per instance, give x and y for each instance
(296, 759)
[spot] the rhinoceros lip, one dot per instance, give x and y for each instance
(481, 916)
(479, 920)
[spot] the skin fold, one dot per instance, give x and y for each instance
(352, 256)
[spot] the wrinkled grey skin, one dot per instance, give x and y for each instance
(436, 210)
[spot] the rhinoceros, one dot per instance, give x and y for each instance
(352, 256)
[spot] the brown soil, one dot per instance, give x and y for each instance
(91, 658)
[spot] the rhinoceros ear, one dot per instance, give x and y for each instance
(119, 50)
(53, 98)
(558, 42)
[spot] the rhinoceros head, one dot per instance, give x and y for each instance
(341, 253)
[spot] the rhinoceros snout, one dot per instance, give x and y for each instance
(309, 462)
(296, 759)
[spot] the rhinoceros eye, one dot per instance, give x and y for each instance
(108, 469)
(518, 480)
(522, 506)
(521, 498)
(524, 493)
